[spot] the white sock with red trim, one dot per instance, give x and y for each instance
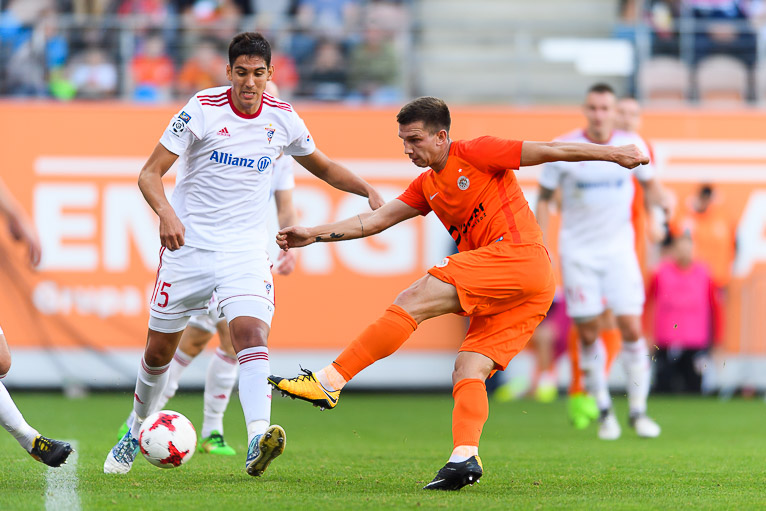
(219, 382)
(13, 421)
(254, 390)
(177, 367)
(150, 383)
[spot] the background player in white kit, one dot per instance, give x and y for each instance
(599, 266)
(222, 369)
(213, 235)
(46, 450)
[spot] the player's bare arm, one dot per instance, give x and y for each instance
(339, 177)
(150, 182)
(359, 226)
(542, 210)
(19, 225)
(536, 153)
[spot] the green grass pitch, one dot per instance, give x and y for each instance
(376, 451)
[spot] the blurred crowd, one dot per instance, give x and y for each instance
(157, 50)
(704, 49)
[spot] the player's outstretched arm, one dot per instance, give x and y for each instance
(359, 226)
(536, 153)
(150, 182)
(339, 177)
(19, 225)
(543, 211)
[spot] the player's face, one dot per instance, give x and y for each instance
(628, 115)
(248, 77)
(422, 147)
(601, 112)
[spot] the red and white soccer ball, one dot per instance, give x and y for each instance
(167, 439)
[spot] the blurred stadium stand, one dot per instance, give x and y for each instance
(377, 51)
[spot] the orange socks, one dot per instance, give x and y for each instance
(470, 412)
(573, 347)
(379, 340)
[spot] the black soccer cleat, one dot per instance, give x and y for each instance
(454, 476)
(51, 452)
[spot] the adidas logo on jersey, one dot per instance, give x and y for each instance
(224, 132)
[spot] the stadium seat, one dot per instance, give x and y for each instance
(721, 80)
(664, 80)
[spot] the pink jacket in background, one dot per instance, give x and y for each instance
(686, 307)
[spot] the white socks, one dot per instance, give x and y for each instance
(330, 378)
(219, 382)
(150, 383)
(635, 359)
(463, 452)
(13, 421)
(254, 390)
(593, 364)
(177, 367)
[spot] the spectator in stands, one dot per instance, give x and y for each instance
(722, 27)
(152, 71)
(375, 68)
(714, 235)
(334, 19)
(94, 75)
(663, 16)
(217, 19)
(686, 317)
(327, 78)
(206, 68)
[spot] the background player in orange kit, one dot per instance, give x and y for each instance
(501, 278)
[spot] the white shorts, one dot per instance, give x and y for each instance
(209, 321)
(188, 277)
(612, 283)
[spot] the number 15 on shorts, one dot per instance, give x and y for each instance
(161, 294)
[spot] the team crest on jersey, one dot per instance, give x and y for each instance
(268, 287)
(184, 117)
(444, 263)
(463, 183)
(270, 132)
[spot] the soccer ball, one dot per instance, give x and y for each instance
(167, 439)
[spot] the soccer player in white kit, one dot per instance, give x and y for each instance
(599, 266)
(213, 235)
(222, 368)
(46, 450)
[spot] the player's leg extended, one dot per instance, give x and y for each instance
(193, 341)
(638, 372)
(162, 341)
(51, 452)
(219, 383)
(428, 297)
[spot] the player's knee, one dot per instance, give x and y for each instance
(246, 335)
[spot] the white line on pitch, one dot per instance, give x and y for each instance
(61, 493)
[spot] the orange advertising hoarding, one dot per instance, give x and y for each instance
(74, 168)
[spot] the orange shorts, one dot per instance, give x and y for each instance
(506, 289)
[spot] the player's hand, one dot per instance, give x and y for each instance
(171, 231)
(285, 263)
(294, 237)
(630, 156)
(21, 231)
(375, 199)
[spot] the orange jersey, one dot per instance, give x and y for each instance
(475, 196)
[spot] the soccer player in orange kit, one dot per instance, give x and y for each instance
(501, 278)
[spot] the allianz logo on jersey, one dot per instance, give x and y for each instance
(584, 185)
(236, 161)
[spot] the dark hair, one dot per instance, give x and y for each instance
(250, 44)
(601, 88)
(706, 191)
(432, 111)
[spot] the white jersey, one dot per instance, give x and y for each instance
(596, 200)
(283, 178)
(226, 164)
